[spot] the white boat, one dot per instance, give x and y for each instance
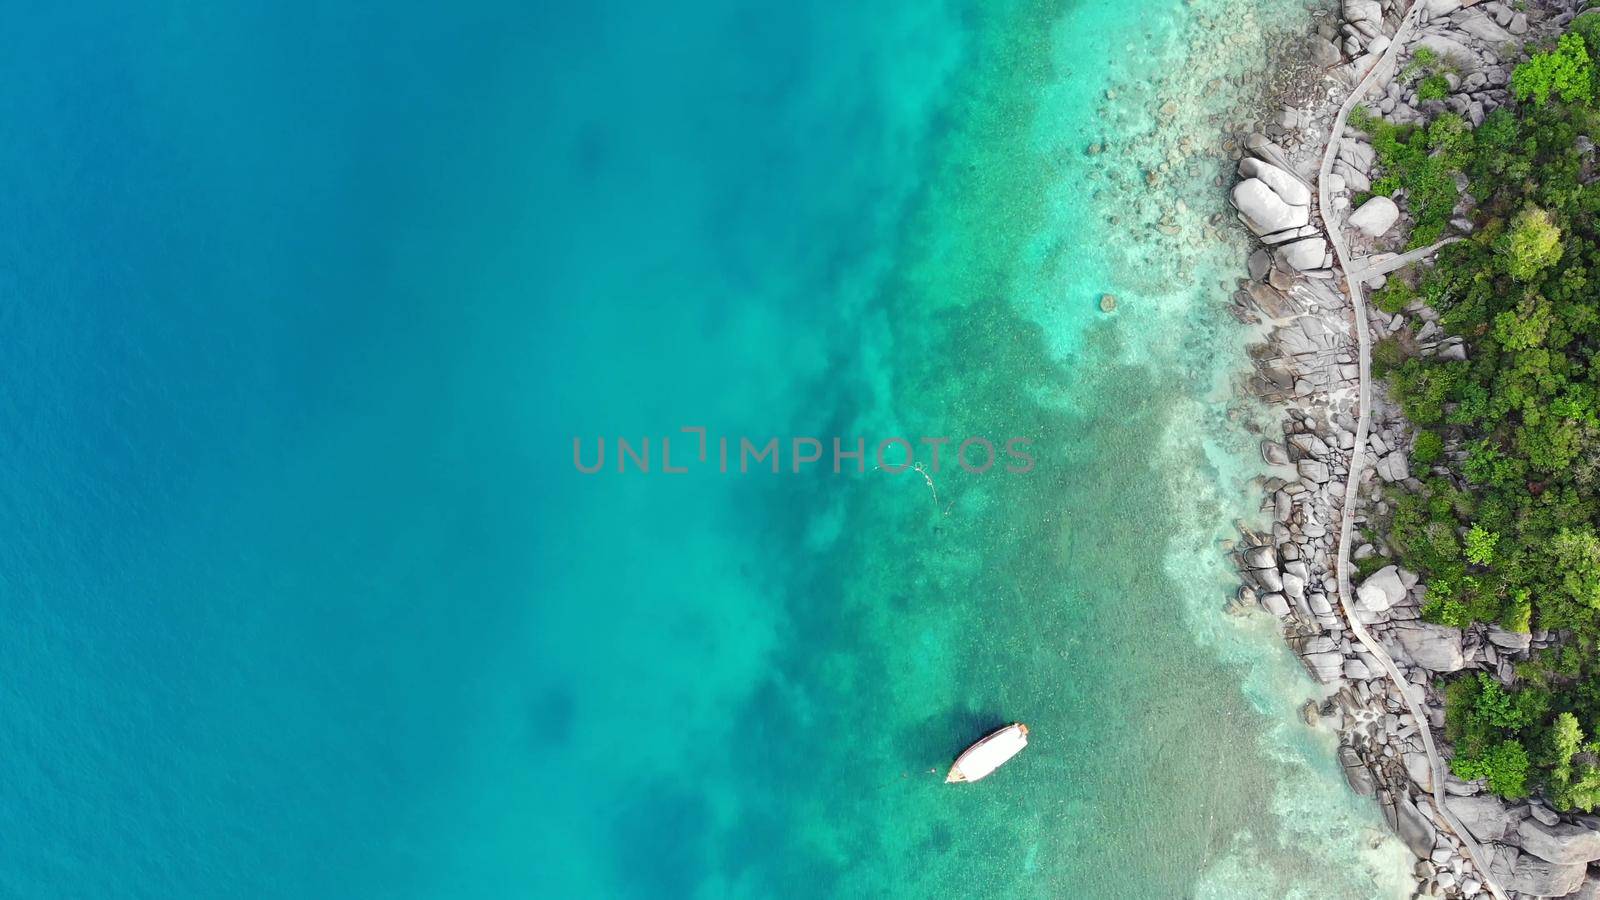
(989, 754)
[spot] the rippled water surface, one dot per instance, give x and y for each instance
(305, 597)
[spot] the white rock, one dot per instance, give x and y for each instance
(1288, 188)
(1482, 27)
(1381, 590)
(1375, 216)
(1303, 254)
(1370, 11)
(1265, 209)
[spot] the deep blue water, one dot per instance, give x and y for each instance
(303, 306)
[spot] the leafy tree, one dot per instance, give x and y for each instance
(1564, 739)
(1577, 554)
(1509, 533)
(1533, 244)
(1505, 766)
(1566, 72)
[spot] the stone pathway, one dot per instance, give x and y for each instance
(1354, 277)
(1365, 268)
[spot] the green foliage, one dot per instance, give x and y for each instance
(1510, 535)
(1532, 245)
(1423, 388)
(1387, 355)
(1422, 162)
(1427, 448)
(1424, 60)
(1487, 723)
(1395, 295)
(1480, 543)
(1566, 72)
(1506, 768)
(1434, 87)
(1577, 553)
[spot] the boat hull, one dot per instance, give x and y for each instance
(990, 753)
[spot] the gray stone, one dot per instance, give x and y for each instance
(1269, 580)
(1273, 453)
(1357, 152)
(1509, 640)
(1451, 50)
(1394, 467)
(1261, 558)
(1417, 768)
(1487, 817)
(1353, 180)
(1323, 52)
(1275, 603)
(1376, 216)
(1559, 843)
(1260, 262)
(1436, 648)
(1480, 26)
(1381, 590)
(1302, 255)
(1355, 771)
(1325, 667)
(1531, 875)
(1414, 828)
(1294, 586)
(1313, 470)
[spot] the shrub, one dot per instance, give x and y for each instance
(1387, 355)
(1480, 544)
(1427, 448)
(1394, 296)
(1434, 87)
(1532, 245)
(1565, 72)
(1423, 60)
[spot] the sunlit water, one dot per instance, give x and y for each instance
(306, 598)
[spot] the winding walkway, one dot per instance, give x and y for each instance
(1353, 280)
(1366, 269)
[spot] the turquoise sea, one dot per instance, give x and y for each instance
(305, 304)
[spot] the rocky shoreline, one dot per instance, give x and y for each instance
(1308, 368)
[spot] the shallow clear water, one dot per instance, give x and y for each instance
(306, 598)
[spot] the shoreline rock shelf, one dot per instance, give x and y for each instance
(1309, 368)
